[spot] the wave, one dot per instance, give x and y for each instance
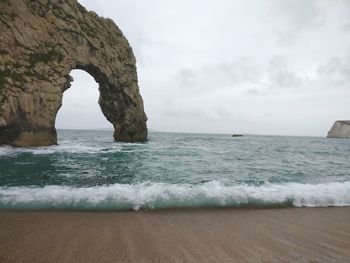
(66, 147)
(161, 195)
(72, 147)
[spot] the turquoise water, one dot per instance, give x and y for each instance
(87, 170)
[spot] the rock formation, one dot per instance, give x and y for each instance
(340, 129)
(41, 41)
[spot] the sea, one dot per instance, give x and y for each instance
(87, 170)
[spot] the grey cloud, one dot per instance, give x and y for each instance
(254, 92)
(239, 71)
(226, 74)
(186, 77)
(282, 76)
(223, 112)
(181, 109)
(344, 11)
(293, 17)
(336, 69)
(184, 111)
(267, 115)
(334, 65)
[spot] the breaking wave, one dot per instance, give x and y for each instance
(161, 195)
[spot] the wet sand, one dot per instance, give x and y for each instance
(193, 235)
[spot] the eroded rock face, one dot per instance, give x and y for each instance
(41, 41)
(340, 129)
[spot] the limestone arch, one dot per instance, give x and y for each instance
(41, 43)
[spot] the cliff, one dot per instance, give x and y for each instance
(41, 42)
(340, 129)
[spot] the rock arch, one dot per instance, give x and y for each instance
(41, 42)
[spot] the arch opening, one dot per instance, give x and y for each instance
(80, 109)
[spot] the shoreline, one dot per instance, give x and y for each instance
(176, 235)
(166, 209)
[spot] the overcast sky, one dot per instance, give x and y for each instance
(229, 66)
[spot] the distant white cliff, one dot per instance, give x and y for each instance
(340, 129)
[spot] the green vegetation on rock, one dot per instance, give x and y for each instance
(7, 73)
(3, 75)
(4, 52)
(53, 55)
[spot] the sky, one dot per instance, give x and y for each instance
(229, 66)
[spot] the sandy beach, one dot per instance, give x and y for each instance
(192, 235)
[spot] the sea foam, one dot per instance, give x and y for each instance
(160, 195)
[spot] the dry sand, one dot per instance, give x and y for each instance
(193, 235)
